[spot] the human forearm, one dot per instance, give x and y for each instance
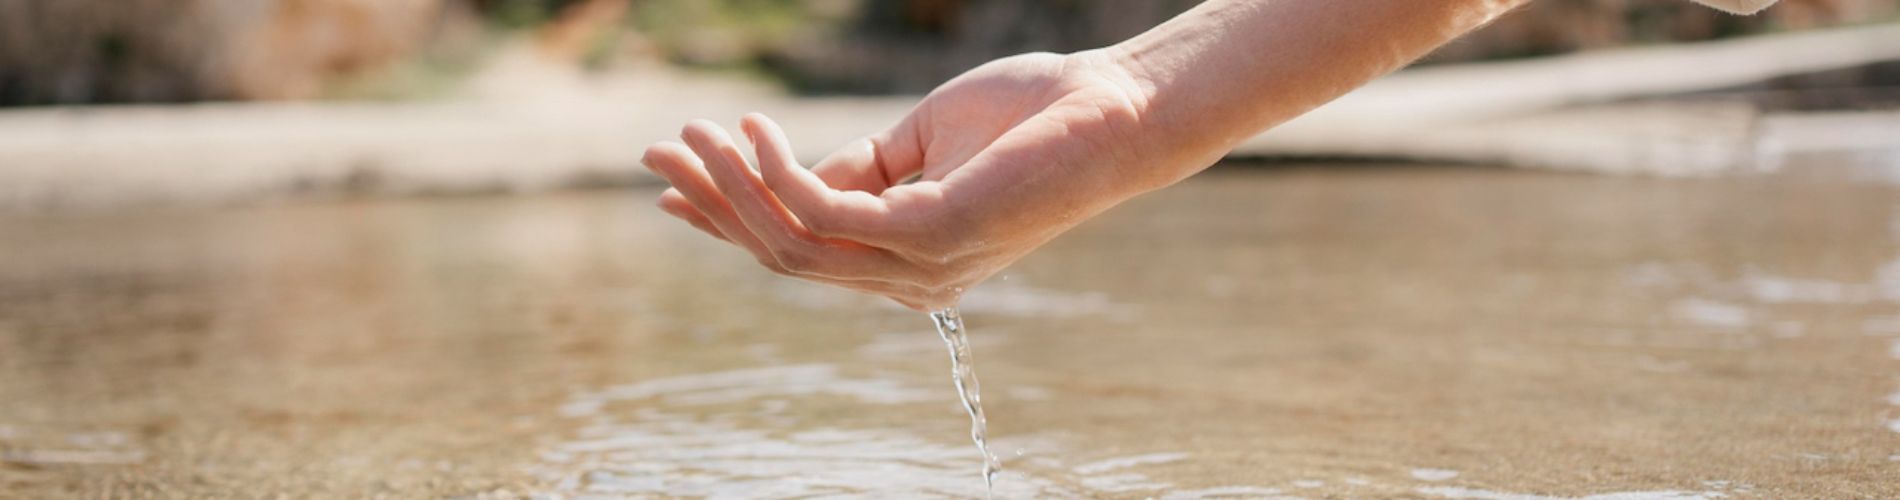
(1016, 151)
(1228, 69)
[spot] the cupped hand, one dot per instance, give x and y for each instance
(1004, 157)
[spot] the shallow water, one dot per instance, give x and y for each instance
(1361, 332)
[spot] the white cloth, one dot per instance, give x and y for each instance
(1743, 7)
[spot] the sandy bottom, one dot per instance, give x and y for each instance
(1367, 332)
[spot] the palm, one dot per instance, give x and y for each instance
(969, 113)
(1030, 96)
(1007, 155)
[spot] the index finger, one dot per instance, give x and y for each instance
(859, 216)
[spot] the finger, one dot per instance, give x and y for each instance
(757, 207)
(827, 212)
(786, 237)
(853, 167)
(675, 204)
(875, 163)
(692, 183)
(678, 165)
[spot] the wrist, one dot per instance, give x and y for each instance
(1173, 137)
(1126, 98)
(1114, 67)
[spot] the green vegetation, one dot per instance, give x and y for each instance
(518, 14)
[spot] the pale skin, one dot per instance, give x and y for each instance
(1011, 154)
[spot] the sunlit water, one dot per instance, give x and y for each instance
(1347, 332)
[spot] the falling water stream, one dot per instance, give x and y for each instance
(950, 326)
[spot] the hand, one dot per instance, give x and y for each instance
(1007, 156)
(1016, 151)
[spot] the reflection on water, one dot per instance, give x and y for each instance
(1455, 333)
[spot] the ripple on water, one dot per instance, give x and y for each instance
(1456, 492)
(1710, 313)
(655, 444)
(994, 298)
(1881, 326)
(659, 448)
(1433, 474)
(1101, 466)
(83, 448)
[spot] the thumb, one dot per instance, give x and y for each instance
(876, 162)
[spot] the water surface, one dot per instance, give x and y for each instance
(1295, 332)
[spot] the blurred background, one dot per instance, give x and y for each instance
(407, 96)
(140, 51)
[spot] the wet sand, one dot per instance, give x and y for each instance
(1357, 332)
